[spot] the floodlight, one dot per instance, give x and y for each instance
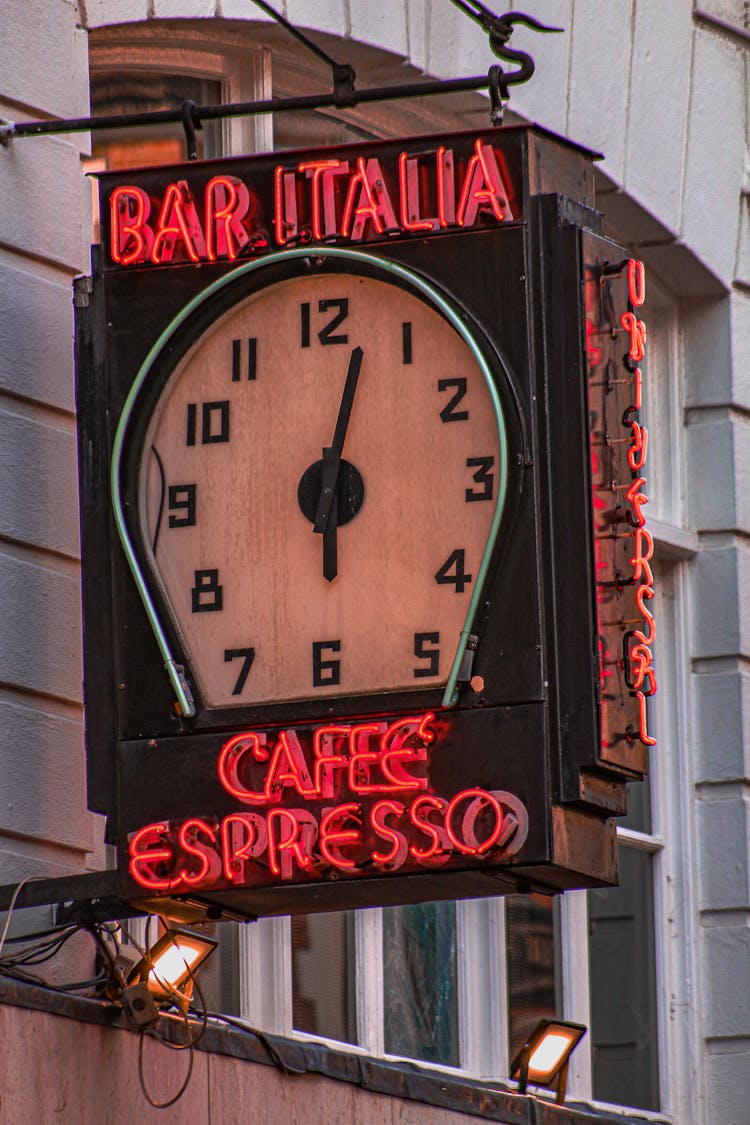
(543, 1059)
(170, 964)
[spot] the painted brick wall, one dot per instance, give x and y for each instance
(44, 825)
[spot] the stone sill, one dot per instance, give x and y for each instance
(481, 1100)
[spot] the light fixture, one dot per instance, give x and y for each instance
(169, 966)
(543, 1059)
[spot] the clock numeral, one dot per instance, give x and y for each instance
(426, 648)
(252, 359)
(406, 341)
(325, 671)
(449, 412)
(483, 476)
(326, 333)
(207, 594)
(459, 578)
(181, 501)
(247, 656)
(214, 422)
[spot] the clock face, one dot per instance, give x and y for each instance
(316, 488)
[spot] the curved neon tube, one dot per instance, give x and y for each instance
(174, 671)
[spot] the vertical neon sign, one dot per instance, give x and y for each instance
(616, 345)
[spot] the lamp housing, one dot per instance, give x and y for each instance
(543, 1059)
(171, 963)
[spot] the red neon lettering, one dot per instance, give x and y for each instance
(129, 209)
(326, 761)
(288, 767)
(639, 561)
(321, 173)
(230, 760)
(643, 734)
(408, 181)
(227, 202)
(469, 821)
(637, 499)
(636, 282)
(638, 396)
(243, 837)
(439, 839)
(643, 593)
(641, 661)
(637, 331)
(395, 753)
(515, 821)
(178, 218)
(361, 761)
(399, 847)
(639, 449)
(446, 187)
(210, 865)
(285, 205)
(143, 856)
(483, 186)
(290, 848)
(333, 837)
(373, 204)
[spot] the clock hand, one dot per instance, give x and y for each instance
(330, 553)
(332, 454)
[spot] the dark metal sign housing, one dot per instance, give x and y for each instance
(334, 800)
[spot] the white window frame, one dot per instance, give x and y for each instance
(243, 69)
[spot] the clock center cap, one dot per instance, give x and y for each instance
(350, 492)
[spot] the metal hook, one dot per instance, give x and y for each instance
(190, 122)
(498, 91)
(500, 29)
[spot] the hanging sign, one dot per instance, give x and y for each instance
(339, 440)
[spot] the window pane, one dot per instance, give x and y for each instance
(639, 804)
(113, 92)
(420, 982)
(323, 975)
(623, 986)
(533, 947)
(219, 978)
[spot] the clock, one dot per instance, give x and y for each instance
(309, 477)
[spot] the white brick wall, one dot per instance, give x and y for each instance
(44, 825)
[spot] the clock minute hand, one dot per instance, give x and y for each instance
(332, 454)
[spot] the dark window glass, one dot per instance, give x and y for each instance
(639, 807)
(138, 91)
(323, 975)
(623, 986)
(533, 948)
(420, 982)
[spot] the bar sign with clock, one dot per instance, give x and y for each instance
(323, 595)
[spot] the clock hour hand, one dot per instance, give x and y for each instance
(332, 454)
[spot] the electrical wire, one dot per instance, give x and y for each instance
(190, 1045)
(142, 1079)
(262, 1038)
(37, 934)
(11, 906)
